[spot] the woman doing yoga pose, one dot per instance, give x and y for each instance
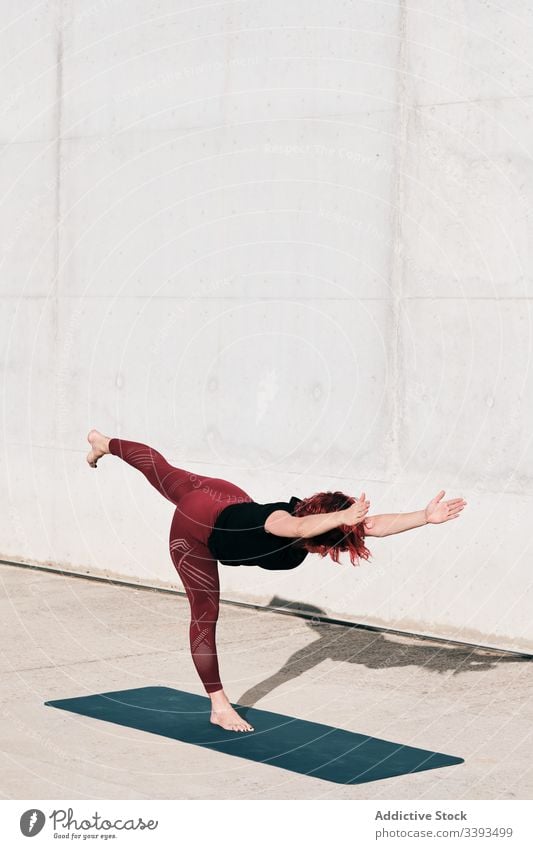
(216, 520)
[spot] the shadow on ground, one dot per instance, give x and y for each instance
(286, 742)
(372, 649)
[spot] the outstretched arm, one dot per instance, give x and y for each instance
(435, 513)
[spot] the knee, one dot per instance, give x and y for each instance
(206, 610)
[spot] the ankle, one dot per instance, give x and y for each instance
(102, 444)
(219, 700)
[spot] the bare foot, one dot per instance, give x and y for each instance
(223, 714)
(99, 446)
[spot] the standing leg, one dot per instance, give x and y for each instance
(199, 574)
(198, 571)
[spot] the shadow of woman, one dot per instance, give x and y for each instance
(372, 649)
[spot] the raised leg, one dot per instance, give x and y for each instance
(170, 481)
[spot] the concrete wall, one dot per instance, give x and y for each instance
(287, 244)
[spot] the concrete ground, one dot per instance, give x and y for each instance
(66, 636)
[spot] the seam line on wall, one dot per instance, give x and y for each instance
(299, 614)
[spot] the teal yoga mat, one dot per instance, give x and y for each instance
(286, 742)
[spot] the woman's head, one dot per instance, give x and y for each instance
(344, 538)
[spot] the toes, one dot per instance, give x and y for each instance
(237, 725)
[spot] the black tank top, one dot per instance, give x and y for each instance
(239, 538)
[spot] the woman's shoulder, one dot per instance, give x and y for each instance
(293, 503)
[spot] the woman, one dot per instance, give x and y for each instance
(217, 520)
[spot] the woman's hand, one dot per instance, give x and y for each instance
(356, 513)
(439, 511)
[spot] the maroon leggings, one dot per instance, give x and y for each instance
(199, 500)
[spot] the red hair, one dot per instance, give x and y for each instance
(344, 538)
